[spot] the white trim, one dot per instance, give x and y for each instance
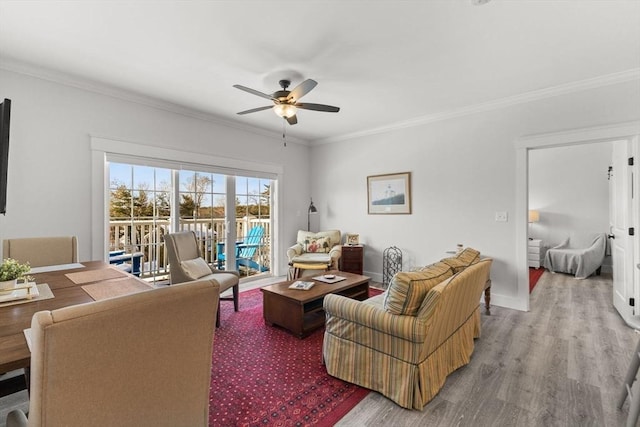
(580, 85)
(531, 142)
(521, 300)
(117, 147)
(127, 95)
(115, 92)
(580, 136)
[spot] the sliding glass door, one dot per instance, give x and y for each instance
(146, 202)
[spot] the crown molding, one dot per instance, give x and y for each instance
(82, 83)
(577, 86)
(20, 67)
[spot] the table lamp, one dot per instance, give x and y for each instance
(534, 216)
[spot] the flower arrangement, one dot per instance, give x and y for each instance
(10, 269)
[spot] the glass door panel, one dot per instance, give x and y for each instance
(139, 212)
(253, 225)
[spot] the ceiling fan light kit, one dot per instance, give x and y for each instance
(285, 103)
(285, 111)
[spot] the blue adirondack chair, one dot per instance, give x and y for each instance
(126, 262)
(246, 250)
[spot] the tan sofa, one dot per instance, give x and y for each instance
(316, 248)
(404, 342)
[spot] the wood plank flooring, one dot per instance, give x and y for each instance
(561, 364)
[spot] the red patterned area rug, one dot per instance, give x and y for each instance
(534, 276)
(264, 376)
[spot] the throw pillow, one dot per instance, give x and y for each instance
(469, 256)
(456, 265)
(316, 244)
(463, 260)
(408, 289)
(195, 268)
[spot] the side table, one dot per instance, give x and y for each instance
(535, 253)
(352, 259)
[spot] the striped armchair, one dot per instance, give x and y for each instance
(405, 346)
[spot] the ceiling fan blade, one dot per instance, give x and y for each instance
(253, 91)
(292, 120)
(318, 107)
(253, 110)
(302, 89)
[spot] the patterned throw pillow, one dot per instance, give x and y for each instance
(408, 289)
(316, 244)
(195, 268)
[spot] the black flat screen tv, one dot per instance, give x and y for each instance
(5, 116)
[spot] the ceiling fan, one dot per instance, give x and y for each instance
(285, 103)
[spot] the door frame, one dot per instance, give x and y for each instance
(523, 145)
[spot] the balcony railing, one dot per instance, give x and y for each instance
(147, 236)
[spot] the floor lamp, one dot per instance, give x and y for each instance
(312, 210)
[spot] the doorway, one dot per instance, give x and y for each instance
(568, 196)
(627, 131)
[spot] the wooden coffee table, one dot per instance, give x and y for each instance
(301, 311)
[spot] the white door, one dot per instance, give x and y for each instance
(620, 220)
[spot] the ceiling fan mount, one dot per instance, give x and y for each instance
(285, 102)
(284, 84)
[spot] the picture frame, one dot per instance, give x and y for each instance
(389, 193)
(352, 239)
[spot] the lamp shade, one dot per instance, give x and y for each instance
(312, 208)
(285, 110)
(311, 211)
(534, 216)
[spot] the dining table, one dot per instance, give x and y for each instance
(69, 285)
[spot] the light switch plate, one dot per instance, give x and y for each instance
(501, 216)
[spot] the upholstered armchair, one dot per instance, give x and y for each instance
(186, 264)
(142, 359)
(316, 248)
(580, 254)
(42, 251)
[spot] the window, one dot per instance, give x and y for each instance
(156, 175)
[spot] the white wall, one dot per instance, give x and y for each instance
(463, 171)
(569, 187)
(49, 189)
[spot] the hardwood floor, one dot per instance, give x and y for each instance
(561, 364)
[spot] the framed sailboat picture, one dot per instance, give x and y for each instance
(389, 194)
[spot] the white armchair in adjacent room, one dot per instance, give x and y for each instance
(580, 254)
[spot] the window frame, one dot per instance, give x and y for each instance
(105, 150)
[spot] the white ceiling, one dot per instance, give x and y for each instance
(384, 63)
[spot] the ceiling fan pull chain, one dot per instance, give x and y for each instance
(284, 131)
